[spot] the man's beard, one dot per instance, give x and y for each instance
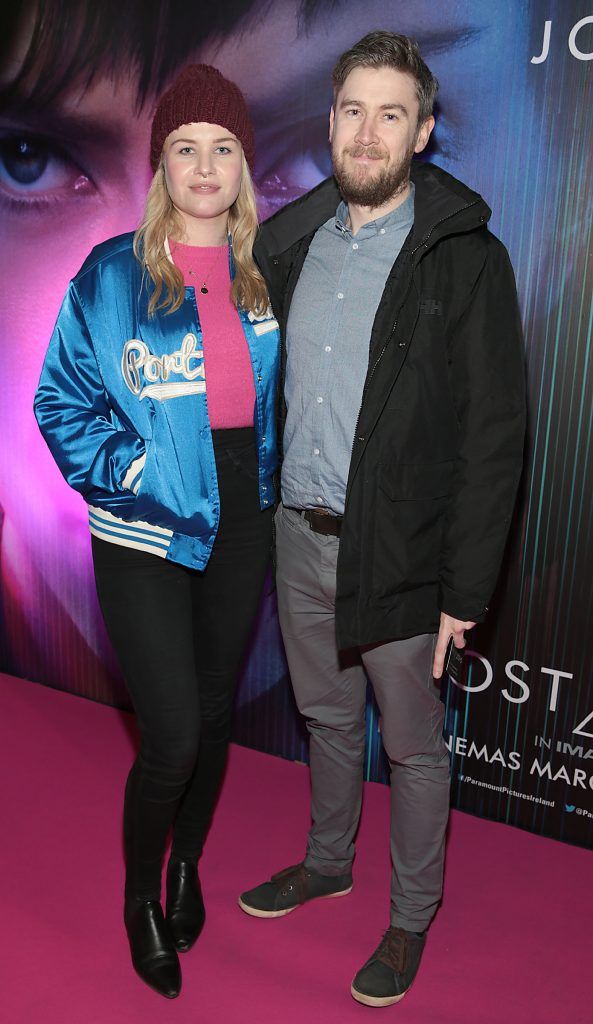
(368, 189)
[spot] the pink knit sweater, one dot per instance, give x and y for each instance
(229, 376)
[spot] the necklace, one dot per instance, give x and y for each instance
(192, 273)
(204, 288)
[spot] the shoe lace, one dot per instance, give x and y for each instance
(393, 950)
(293, 879)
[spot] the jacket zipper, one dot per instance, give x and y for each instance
(370, 376)
(423, 241)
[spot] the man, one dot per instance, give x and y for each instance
(403, 434)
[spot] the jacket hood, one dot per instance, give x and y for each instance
(443, 205)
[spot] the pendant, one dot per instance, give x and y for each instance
(204, 290)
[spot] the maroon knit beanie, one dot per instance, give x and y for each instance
(201, 93)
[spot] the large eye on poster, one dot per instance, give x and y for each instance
(78, 85)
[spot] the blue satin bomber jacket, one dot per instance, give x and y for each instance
(122, 405)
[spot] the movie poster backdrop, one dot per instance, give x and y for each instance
(78, 85)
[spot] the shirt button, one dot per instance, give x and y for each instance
(319, 399)
(263, 438)
(319, 499)
(328, 348)
(265, 501)
(340, 295)
(355, 245)
(259, 376)
(382, 231)
(316, 451)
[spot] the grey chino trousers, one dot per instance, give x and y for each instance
(330, 691)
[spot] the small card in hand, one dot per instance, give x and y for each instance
(454, 661)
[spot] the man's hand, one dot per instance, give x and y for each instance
(449, 627)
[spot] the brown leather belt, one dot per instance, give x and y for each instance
(322, 522)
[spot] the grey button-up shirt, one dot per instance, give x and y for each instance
(328, 337)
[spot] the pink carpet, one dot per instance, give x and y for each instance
(512, 943)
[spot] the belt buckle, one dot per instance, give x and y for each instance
(323, 522)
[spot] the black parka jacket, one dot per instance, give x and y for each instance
(438, 446)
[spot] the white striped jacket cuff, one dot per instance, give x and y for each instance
(131, 481)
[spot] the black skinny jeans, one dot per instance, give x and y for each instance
(180, 635)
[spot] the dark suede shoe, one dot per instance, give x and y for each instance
(153, 953)
(291, 888)
(185, 906)
(387, 976)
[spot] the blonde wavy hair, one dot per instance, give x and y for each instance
(161, 221)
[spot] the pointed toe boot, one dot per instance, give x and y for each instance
(153, 951)
(185, 906)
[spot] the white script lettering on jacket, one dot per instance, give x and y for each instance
(138, 366)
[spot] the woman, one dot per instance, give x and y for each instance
(157, 401)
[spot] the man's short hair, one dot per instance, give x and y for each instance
(388, 50)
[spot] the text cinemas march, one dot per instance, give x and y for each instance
(544, 770)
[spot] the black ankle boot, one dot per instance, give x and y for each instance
(153, 952)
(185, 906)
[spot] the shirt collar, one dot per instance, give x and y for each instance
(403, 214)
